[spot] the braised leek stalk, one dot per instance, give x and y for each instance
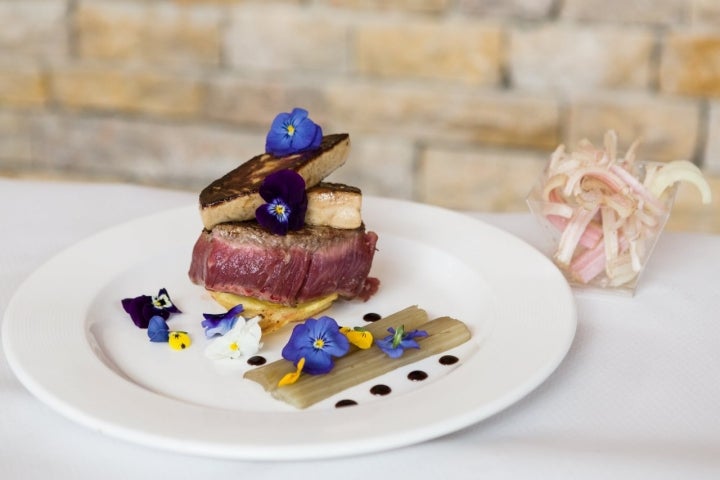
(361, 365)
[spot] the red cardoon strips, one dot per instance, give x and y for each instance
(572, 233)
(608, 210)
(590, 236)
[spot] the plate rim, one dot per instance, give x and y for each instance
(248, 452)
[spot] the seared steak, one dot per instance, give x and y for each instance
(245, 259)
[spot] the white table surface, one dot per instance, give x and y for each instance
(638, 395)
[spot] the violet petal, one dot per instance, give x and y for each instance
(221, 323)
(158, 330)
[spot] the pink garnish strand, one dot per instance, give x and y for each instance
(603, 211)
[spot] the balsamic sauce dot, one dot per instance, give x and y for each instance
(345, 403)
(380, 389)
(256, 360)
(417, 375)
(448, 360)
(372, 317)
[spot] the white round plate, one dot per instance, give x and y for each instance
(71, 344)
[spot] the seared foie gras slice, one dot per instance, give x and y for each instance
(334, 205)
(234, 197)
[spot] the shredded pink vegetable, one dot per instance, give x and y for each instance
(607, 210)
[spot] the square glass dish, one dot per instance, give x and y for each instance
(601, 216)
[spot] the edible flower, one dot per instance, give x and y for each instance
(292, 133)
(144, 307)
(292, 377)
(179, 340)
(395, 344)
(317, 341)
(158, 329)
(221, 323)
(242, 340)
(284, 192)
(358, 336)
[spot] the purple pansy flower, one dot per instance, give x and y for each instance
(221, 323)
(395, 344)
(284, 192)
(318, 341)
(158, 330)
(292, 133)
(144, 307)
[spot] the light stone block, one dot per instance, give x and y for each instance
(447, 115)
(379, 166)
(185, 155)
(690, 63)
(33, 31)
(690, 214)
(232, 2)
(656, 12)
(22, 87)
(667, 127)
(563, 57)
(508, 9)
(711, 157)
(453, 51)
(424, 6)
(157, 33)
(486, 180)
(705, 12)
(286, 38)
(15, 140)
(254, 103)
(152, 93)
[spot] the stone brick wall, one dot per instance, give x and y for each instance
(452, 102)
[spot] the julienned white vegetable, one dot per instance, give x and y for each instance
(679, 171)
(609, 209)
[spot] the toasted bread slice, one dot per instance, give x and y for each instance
(274, 316)
(235, 197)
(334, 205)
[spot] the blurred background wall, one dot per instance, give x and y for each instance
(452, 102)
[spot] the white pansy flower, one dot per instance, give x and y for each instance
(242, 340)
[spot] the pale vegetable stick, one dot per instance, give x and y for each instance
(443, 333)
(268, 375)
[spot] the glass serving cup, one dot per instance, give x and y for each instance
(612, 252)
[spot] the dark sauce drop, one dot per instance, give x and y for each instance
(345, 403)
(448, 360)
(256, 360)
(372, 317)
(417, 375)
(380, 389)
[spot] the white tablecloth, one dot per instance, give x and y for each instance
(638, 395)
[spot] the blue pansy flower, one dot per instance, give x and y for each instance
(395, 344)
(292, 133)
(317, 341)
(284, 192)
(221, 323)
(144, 307)
(158, 330)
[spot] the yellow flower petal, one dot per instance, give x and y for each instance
(292, 377)
(360, 338)
(179, 340)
